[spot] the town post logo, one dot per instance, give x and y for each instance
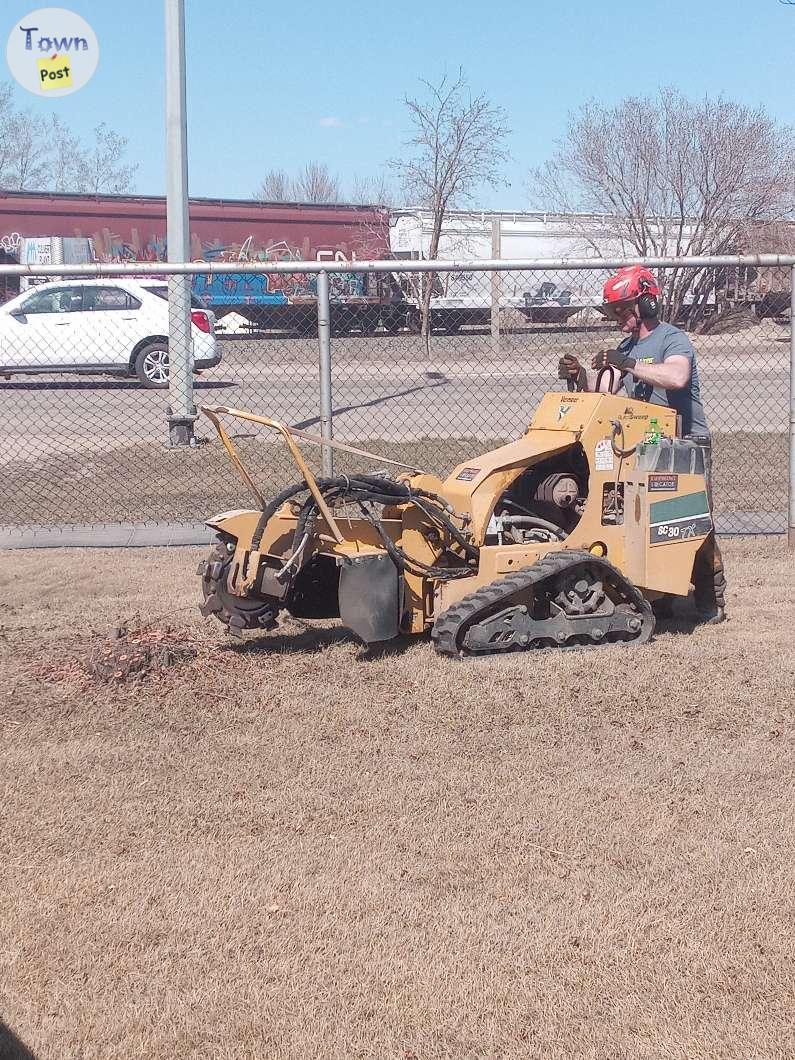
(52, 52)
(55, 73)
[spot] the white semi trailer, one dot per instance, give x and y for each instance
(468, 297)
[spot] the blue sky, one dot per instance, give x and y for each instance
(276, 85)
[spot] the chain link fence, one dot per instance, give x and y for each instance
(92, 396)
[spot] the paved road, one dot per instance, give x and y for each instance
(463, 392)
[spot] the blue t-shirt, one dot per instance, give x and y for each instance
(667, 341)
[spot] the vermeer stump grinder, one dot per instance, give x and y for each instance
(561, 538)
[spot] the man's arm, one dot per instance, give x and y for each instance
(672, 374)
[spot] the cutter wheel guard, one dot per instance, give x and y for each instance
(562, 538)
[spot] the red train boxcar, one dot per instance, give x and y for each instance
(133, 228)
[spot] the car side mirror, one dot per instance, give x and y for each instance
(17, 311)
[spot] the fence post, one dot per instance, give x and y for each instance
(496, 283)
(324, 347)
(791, 523)
(181, 411)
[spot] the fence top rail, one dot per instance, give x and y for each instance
(162, 268)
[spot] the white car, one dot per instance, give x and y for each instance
(107, 327)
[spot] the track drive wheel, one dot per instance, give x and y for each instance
(568, 599)
(235, 612)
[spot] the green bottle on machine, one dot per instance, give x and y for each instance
(653, 434)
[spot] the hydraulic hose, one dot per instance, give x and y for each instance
(534, 520)
(371, 489)
(618, 428)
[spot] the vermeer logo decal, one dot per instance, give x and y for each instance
(52, 52)
(679, 519)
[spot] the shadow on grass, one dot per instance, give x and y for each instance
(681, 625)
(311, 640)
(11, 1048)
(684, 619)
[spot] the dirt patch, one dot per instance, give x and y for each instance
(296, 847)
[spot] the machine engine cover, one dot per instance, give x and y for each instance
(369, 596)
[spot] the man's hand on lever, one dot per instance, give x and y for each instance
(570, 369)
(613, 359)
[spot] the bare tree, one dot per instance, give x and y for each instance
(666, 177)
(276, 186)
(101, 168)
(7, 142)
(457, 146)
(316, 184)
(43, 154)
(32, 152)
(65, 157)
(313, 184)
(375, 190)
(23, 145)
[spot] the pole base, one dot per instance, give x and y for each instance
(791, 537)
(180, 432)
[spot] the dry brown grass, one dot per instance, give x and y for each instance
(149, 483)
(299, 848)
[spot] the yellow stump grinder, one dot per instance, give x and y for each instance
(563, 537)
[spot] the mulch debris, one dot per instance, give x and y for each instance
(133, 654)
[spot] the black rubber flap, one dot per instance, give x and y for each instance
(369, 596)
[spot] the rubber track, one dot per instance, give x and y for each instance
(451, 623)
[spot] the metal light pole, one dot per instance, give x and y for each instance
(791, 519)
(181, 413)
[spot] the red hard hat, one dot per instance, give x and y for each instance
(629, 283)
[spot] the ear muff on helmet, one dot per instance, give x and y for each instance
(648, 304)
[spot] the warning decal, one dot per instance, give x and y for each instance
(603, 455)
(663, 483)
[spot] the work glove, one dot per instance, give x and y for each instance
(570, 369)
(613, 359)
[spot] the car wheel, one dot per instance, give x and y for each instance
(151, 366)
(413, 321)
